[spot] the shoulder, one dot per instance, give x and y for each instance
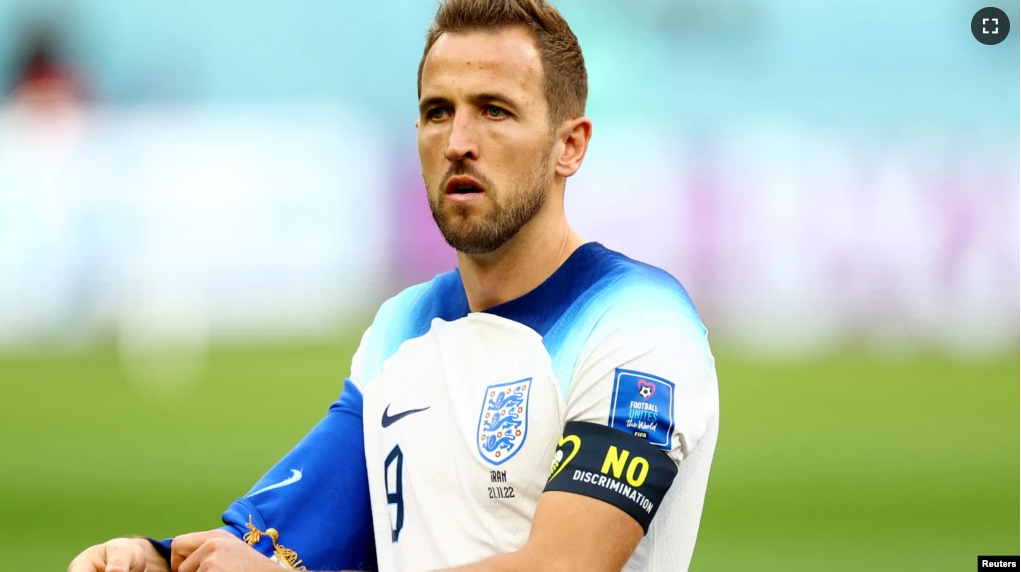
(442, 297)
(646, 311)
(624, 296)
(620, 306)
(639, 287)
(409, 315)
(639, 328)
(646, 298)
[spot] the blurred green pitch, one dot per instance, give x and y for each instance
(842, 464)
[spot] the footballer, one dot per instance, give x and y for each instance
(550, 404)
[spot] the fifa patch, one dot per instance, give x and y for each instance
(503, 420)
(643, 406)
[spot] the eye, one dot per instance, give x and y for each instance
(494, 112)
(436, 114)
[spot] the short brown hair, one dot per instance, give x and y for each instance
(565, 81)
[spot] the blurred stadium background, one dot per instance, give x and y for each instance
(201, 204)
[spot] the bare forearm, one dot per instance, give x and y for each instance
(503, 563)
(526, 559)
(570, 533)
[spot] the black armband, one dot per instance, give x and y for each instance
(610, 465)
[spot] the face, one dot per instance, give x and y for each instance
(483, 137)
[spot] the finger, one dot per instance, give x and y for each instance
(183, 546)
(197, 557)
(90, 560)
(121, 557)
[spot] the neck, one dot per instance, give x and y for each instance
(520, 265)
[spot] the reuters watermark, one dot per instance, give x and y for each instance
(998, 563)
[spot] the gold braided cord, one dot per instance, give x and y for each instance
(284, 555)
(287, 556)
(254, 535)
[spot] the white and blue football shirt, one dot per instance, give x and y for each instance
(454, 422)
(464, 413)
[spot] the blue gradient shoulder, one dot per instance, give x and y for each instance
(651, 293)
(409, 315)
(623, 298)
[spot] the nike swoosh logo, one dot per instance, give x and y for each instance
(390, 420)
(295, 477)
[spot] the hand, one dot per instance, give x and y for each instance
(119, 555)
(216, 551)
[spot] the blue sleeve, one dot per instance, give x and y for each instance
(315, 499)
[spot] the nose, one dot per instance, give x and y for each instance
(462, 142)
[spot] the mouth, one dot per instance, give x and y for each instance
(463, 188)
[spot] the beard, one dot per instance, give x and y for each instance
(472, 233)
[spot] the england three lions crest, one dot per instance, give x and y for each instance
(503, 421)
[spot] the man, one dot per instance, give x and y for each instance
(549, 405)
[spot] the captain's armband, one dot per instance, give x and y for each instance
(610, 465)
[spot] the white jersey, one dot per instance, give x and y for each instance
(463, 411)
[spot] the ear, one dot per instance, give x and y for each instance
(575, 134)
(416, 124)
